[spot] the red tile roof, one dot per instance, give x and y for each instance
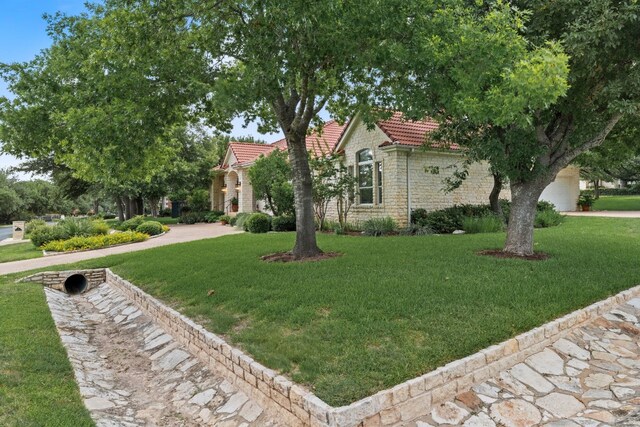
(408, 132)
(320, 144)
(246, 152)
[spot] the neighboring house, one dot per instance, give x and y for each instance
(394, 167)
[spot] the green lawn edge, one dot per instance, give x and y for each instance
(387, 310)
(18, 252)
(37, 384)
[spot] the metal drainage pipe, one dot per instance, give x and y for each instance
(75, 284)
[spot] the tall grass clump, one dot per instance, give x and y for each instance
(482, 224)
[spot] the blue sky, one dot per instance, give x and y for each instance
(23, 34)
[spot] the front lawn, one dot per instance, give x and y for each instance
(617, 203)
(37, 386)
(390, 308)
(18, 251)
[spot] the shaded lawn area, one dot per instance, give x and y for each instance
(19, 251)
(37, 386)
(390, 308)
(617, 203)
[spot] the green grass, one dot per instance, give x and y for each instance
(390, 308)
(37, 386)
(18, 251)
(617, 203)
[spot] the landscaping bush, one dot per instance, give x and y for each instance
(192, 217)
(240, 220)
(258, 223)
(165, 212)
(94, 242)
(46, 234)
(548, 218)
(131, 224)
(213, 216)
(283, 223)
(484, 224)
(225, 219)
(379, 226)
(152, 228)
(78, 227)
(544, 206)
(108, 216)
(629, 191)
(418, 216)
(416, 230)
(99, 226)
(198, 201)
(233, 220)
(33, 224)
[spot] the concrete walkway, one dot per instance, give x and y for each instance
(178, 234)
(606, 214)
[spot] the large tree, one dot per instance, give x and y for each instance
(552, 88)
(278, 62)
(96, 103)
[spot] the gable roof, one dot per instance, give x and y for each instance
(406, 132)
(246, 152)
(323, 143)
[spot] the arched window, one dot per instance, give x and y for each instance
(365, 176)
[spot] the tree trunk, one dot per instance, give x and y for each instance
(96, 206)
(128, 207)
(140, 205)
(153, 206)
(494, 197)
(596, 188)
(524, 199)
(306, 245)
(119, 208)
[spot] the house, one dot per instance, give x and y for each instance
(396, 172)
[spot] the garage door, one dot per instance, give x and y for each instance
(563, 193)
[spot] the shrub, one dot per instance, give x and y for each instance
(213, 216)
(283, 223)
(131, 224)
(108, 216)
(549, 218)
(483, 224)
(99, 227)
(198, 200)
(152, 228)
(77, 227)
(544, 206)
(233, 220)
(192, 217)
(418, 216)
(416, 230)
(258, 223)
(94, 242)
(379, 226)
(165, 212)
(43, 235)
(240, 220)
(33, 224)
(225, 219)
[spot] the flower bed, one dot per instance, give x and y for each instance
(94, 242)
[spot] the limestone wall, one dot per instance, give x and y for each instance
(55, 279)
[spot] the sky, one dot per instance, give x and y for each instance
(23, 35)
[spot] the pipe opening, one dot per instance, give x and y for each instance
(75, 284)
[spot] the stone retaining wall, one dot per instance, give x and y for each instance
(402, 403)
(55, 279)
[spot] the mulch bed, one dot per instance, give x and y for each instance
(288, 257)
(497, 253)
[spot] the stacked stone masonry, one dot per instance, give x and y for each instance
(55, 279)
(399, 405)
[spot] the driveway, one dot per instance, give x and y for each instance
(607, 214)
(178, 234)
(5, 232)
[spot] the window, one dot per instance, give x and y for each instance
(379, 181)
(365, 176)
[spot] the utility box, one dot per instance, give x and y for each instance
(18, 230)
